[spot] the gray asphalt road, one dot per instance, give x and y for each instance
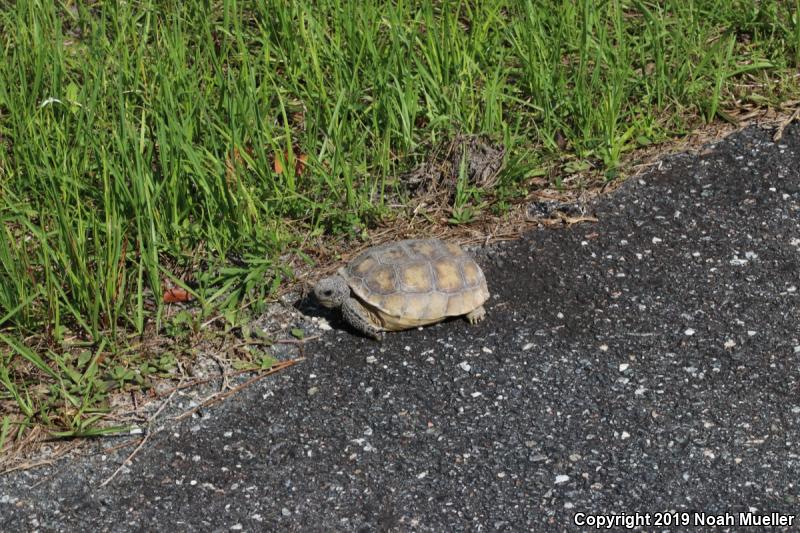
(649, 363)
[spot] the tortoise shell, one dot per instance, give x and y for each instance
(416, 282)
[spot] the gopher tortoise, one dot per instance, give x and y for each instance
(406, 284)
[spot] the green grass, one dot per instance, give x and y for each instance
(137, 142)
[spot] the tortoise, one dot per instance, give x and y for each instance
(405, 284)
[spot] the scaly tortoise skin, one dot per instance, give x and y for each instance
(406, 284)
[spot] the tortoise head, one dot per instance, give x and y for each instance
(332, 292)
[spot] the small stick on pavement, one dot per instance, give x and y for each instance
(265, 342)
(126, 461)
(569, 221)
(298, 341)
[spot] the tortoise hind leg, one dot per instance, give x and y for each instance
(357, 316)
(476, 315)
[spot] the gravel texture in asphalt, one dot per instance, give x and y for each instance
(648, 363)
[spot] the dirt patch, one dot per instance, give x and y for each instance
(476, 156)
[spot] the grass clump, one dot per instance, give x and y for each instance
(140, 143)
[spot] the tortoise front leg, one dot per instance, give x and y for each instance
(357, 316)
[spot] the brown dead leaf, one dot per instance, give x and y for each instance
(175, 295)
(299, 162)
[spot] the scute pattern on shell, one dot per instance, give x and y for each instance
(417, 281)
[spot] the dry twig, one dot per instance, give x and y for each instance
(141, 443)
(785, 122)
